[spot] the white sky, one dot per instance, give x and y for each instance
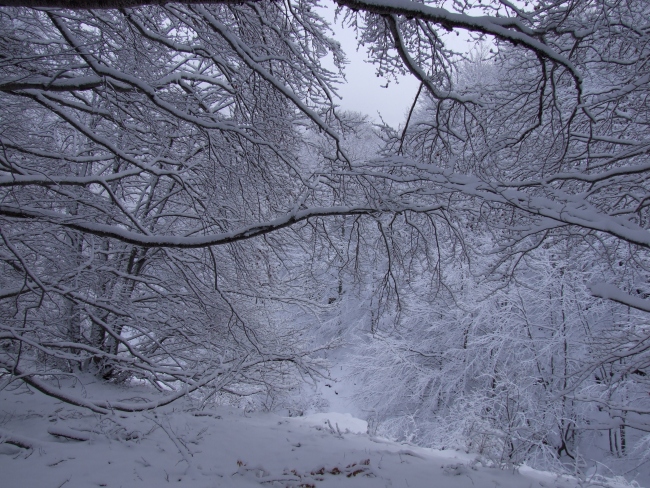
(363, 91)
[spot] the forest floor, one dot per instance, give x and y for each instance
(182, 446)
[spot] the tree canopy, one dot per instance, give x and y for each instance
(177, 178)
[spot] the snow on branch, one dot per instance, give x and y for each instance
(184, 242)
(504, 28)
(611, 292)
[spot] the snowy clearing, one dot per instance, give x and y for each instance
(45, 443)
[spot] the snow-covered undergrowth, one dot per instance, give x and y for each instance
(45, 443)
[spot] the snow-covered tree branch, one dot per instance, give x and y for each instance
(176, 179)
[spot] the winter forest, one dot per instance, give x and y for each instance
(187, 210)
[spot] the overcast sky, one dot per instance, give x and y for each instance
(363, 91)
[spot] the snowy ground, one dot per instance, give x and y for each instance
(222, 447)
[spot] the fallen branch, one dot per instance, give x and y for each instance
(71, 434)
(21, 441)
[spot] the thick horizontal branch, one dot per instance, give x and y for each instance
(611, 292)
(48, 180)
(563, 207)
(99, 4)
(184, 242)
(79, 83)
(504, 28)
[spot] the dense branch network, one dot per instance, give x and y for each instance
(174, 174)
